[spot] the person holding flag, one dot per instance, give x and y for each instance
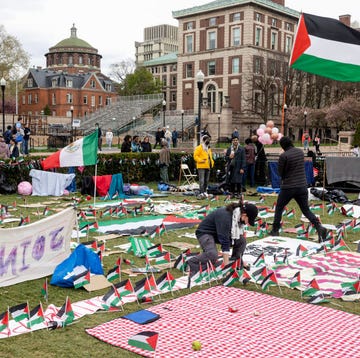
(224, 226)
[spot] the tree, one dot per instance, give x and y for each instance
(13, 59)
(120, 70)
(140, 82)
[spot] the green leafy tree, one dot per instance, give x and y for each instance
(47, 110)
(140, 82)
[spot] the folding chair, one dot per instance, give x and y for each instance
(188, 177)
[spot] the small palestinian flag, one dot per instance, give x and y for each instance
(260, 274)
(263, 212)
(4, 321)
(231, 279)
(300, 228)
(113, 274)
(340, 245)
(316, 299)
(45, 290)
(87, 227)
(46, 211)
(20, 312)
(36, 316)
(260, 260)
(269, 280)
(111, 298)
(154, 250)
(24, 221)
(277, 260)
(295, 281)
(145, 340)
(316, 207)
(290, 214)
(244, 276)
(356, 227)
(312, 288)
(66, 313)
(163, 259)
(82, 279)
(180, 263)
(165, 281)
(124, 288)
(301, 251)
(350, 288)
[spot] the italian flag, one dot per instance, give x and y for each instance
(82, 152)
(326, 47)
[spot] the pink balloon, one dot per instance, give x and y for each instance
(270, 124)
(24, 188)
(261, 140)
(259, 132)
(280, 136)
(268, 130)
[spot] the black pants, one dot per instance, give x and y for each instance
(301, 197)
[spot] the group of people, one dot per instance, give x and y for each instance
(15, 141)
(165, 133)
(133, 144)
(306, 140)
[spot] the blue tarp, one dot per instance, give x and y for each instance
(81, 256)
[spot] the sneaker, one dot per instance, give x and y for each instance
(322, 233)
(274, 232)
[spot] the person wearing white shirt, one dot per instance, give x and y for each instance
(109, 137)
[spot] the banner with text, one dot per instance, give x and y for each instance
(33, 251)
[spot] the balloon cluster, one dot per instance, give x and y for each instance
(268, 133)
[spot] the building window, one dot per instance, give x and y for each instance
(69, 83)
(23, 99)
(274, 38)
(236, 16)
(30, 82)
(235, 65)
(289, 27)
(29, 98)
(108, 101)
(69, 98)
(92, 101)
(288, 44)
(70, 60)
(164, 69)
(173, 96)
(211, 40)
(257, 65)
(53, 99)
(189, 43)
(173, 80)
(211, 68)
(100, 100)
(108, 87)
(258, 17)
(174, 67)
(211, 95)
(164, 80)
(189, 25)
(274, 22)
(92, 84)
(80, 60)
(189, 70)
(257, 102)
(236, 36)
(36, 98)
(212, 21)
(258, 36)
(54, 82)
(85, 100)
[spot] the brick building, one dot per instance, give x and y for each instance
(71, 84)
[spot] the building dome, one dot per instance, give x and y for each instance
(73, 55)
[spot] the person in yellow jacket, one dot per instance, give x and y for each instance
(204, 162)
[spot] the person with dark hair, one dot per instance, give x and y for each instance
(250, 163)
(260, 161)
(14, 149)
(126, 144)
(236, 164)
(99, 136)
(158, 136)
(204, 162)
(224, 226)
(8, 134)
(164, 161)
(146, 145)
(291, 168)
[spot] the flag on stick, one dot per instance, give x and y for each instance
(66, 313)
(4, 321)
(36, 316)
(20, 312)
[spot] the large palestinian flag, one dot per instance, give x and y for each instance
(326, 47)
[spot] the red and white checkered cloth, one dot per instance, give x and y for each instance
(263, 326)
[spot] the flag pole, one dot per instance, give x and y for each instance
(283, 112)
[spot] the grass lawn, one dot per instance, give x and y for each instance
(72, 341)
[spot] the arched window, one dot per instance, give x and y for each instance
(211, 95)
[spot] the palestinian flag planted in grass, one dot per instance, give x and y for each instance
(269, 280)
(180, 263)
(163, 259)
(154, 250)
(66, 313)
(290, 214)
(340, 245)
(93, 225)
(319, 298)
(295, 281)
(260, 274)
(113, 274)
(356, 227)
(82, 279)
(45, 290)
(230, 279)
(20, 312)
(260, 260)
(36, 316)
(124, 288)
(301, 251)
(312, 288)
(4, 321)
(111, 298)
(146, 340)
(300, 229)
(165, 281)
(350, 288)
(326, 47)
(82, 152)
(244, 276)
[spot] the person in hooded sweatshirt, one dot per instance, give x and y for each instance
(204, 162)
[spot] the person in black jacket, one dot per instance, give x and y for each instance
(126, 144)
(291, 168)
(99, 136)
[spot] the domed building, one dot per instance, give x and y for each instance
(71, 85)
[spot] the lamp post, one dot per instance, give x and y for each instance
(200, 83)
(164, 109)
(305, 115)
(182, 125)
(133, 125)
(72, 122)
(219, 117)
(285, 124)
(3, 85)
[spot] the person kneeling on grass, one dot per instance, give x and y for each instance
(224, 226)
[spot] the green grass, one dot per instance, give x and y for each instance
(72, 340)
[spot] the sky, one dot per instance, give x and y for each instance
(114, 27)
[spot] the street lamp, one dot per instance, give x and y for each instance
(164, 108)
(182, 125)
(3, 84)
(305, 115)
(219, 128)
(133, 125)
(200, 83)
(72, 121)
(285, 126)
